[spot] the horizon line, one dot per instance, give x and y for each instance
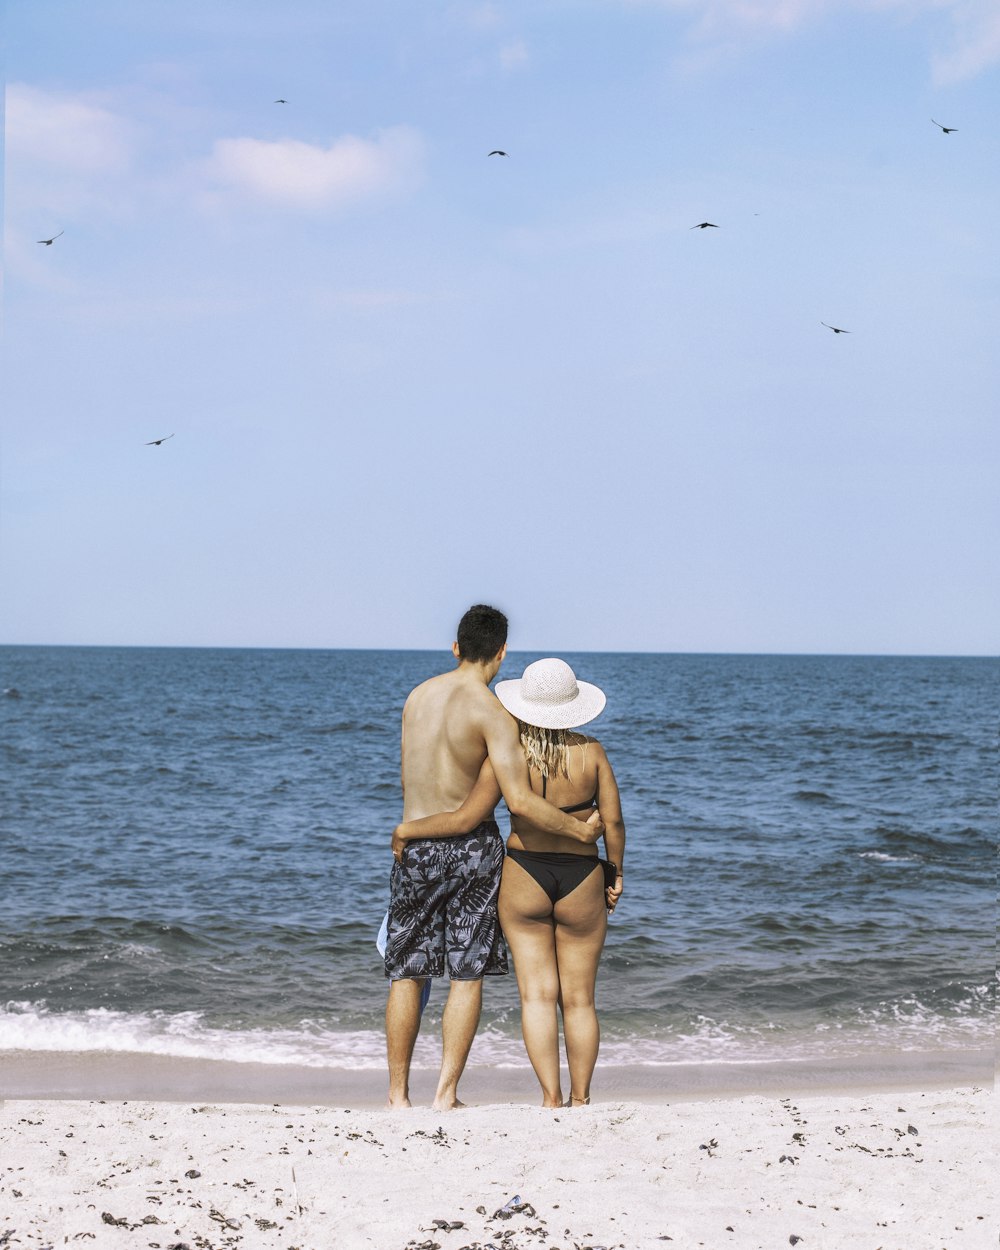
(143, 646)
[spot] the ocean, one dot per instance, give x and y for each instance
(194, 855)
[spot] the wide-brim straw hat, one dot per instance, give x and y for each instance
(549, 695)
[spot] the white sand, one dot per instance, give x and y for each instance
(850, 1171)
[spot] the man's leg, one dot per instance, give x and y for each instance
(473, 946)
(458, 1028)
(402, 1024)
(414, 941)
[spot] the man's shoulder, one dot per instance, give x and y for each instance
(474, 702)
(427, 688)
(461, 701)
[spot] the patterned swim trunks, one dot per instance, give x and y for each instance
(443, 908)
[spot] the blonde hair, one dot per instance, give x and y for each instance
(546, 750)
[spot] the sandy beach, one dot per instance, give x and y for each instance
(888, 1170)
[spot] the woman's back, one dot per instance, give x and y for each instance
(577, 793)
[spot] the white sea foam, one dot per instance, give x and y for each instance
(906, 1026)
(884, 858)
(30, 1026)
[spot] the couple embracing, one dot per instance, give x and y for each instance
(455, 894)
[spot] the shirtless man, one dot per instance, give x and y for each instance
(443, 890)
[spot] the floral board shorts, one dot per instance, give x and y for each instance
(443, 908)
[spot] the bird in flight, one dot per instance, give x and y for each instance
(157, 441)
(947, 129)
(49, 242)
(497, 152)
(704, 225)
(835, 329)
(281, 101)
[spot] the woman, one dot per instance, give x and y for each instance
(556, 893)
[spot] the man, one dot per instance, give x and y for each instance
(442, 910)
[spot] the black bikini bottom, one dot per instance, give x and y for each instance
(559, 873)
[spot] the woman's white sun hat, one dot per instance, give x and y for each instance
(548, 695)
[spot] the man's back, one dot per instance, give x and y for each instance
(443, 742)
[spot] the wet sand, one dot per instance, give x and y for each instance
(162, 1078)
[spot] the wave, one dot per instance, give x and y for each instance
(31, 1026)
(105, 935)
(883, 858)
(966, 841)
(855, 736)
(648, 1038)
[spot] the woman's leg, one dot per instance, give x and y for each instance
(581, 924)
(526, 918)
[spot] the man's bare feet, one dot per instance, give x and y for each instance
(397, 1104)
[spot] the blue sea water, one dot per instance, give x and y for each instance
(194, 854)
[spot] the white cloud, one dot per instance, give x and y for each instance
(728, 18)
(513, 55)
(69, 157)
(303, 175)
(757, 14)
(484, 16)
(974, 35)
(72, 132)
(976, 43)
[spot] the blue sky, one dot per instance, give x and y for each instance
(403, 376)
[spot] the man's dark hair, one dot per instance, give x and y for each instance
(482, 631)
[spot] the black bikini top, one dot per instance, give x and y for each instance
(574, 807)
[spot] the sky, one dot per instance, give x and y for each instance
(400, 375)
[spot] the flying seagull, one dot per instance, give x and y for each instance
(497, 152)
(704, 225)
(835, 329)
(947, 129)
(281, 101)
(157, 441)
(49, 242)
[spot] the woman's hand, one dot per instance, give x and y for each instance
(614, 892)
(399, 841)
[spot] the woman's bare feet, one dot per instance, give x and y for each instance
(453, 1104)
(573, 1101)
